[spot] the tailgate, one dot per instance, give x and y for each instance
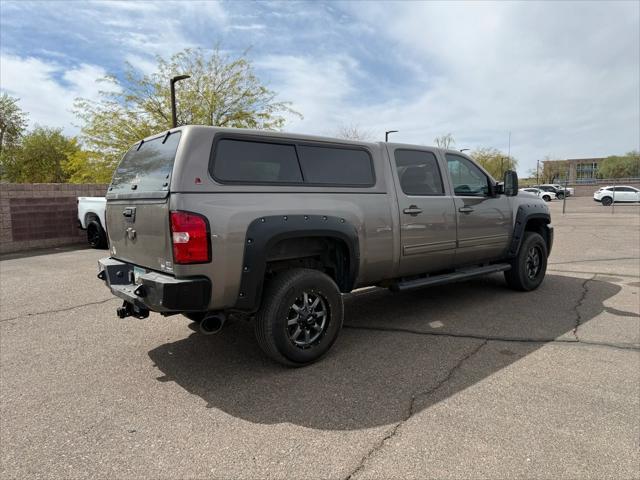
(137, 212)
(139, 233)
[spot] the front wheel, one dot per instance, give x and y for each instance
(300, 317)
(560, 196)
(546, 198)
(606, 201)
(530, 265)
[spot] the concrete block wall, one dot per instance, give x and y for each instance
(42, 215)
(588, 190)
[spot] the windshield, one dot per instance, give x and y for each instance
(146, 168)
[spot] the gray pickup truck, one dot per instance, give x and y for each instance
(274, 228)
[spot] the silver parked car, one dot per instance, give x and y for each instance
(274, 228)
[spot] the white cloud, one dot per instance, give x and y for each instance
(318, 87)
(563, 78)
(47, 90)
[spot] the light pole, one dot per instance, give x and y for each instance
(386, 134)
(538, 173)
(172, 82)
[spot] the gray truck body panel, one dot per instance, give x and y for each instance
(439, 233)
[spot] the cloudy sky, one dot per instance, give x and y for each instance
(564, 78)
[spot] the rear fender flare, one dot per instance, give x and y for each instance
(264, 232)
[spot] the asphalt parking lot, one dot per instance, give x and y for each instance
(465, 381)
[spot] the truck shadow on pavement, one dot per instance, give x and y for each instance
(396, 355)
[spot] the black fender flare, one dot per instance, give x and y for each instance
(264, 232)
(527, 212)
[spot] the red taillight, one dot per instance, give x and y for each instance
(190, 238)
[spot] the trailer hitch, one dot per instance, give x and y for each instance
(130, 310)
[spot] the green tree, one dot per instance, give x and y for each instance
(40, 158)
(620, 166)
(222, 91)
(494, 161)
(83, 166)
(444, 141)
(552, 170)
(13, 121)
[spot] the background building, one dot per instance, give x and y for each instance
(580, 170)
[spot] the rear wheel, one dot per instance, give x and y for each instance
(96, 236)
(530, 265)
(606, 201)
(300, 317)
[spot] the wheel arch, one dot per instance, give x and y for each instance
(326, 243)
(531, 218)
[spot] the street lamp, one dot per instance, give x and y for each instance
(386, 134)
(172, 82)
(538, 173)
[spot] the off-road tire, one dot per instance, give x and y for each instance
(519, 277)
(606, 201)
(278, 298)
(96, 236)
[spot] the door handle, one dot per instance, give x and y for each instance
(413, 210)
(465, 209)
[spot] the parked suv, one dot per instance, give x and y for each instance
(275, 227)
(558, 193)
(621, 193)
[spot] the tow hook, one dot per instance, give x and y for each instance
(129, 310)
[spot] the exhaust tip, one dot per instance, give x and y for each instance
(212, 324)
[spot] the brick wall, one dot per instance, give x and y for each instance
(41, 215)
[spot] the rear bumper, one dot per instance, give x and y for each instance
(155, 291)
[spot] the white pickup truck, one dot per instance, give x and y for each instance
(91, 218)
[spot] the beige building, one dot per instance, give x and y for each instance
(581, 170)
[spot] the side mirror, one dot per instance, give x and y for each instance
(510, 183)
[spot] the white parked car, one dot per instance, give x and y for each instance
(546, 196)
(621, 193)
(91, 218)
(560, 188)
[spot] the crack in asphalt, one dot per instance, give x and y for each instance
(411, 410)
(594, 260)
(389, 434)
(604, 274)
(576, 308)
(67, 309)
(492, 338)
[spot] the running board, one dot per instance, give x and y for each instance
(457, 276)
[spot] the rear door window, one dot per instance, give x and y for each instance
(418, 173)
(146, 168)
(244, 161)
(335, 166)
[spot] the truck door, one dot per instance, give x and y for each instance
(427, 213)
(484, 221)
